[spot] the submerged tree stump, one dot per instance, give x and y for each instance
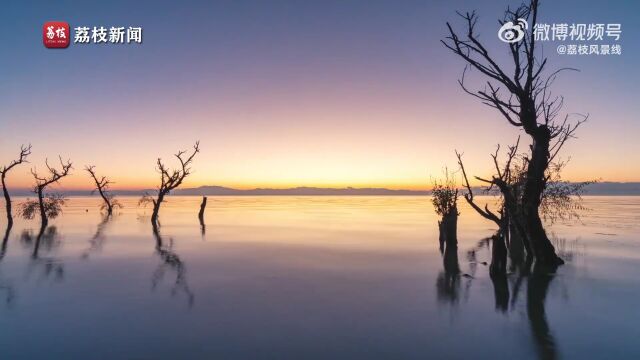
(203, 205)
(448, 228)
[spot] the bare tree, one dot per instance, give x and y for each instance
(102, 187)
(445, 202)
(524, 99)
(48, 205)
(170, 179)
(561, 200)
(507, 181)
(22, 158)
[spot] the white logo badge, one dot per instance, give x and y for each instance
(511, 33)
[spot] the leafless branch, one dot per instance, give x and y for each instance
(486, 213)
(54, 174)
(25, 151)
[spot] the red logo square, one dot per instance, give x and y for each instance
(55, 34)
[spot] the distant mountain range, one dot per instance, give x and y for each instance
(297, 191)
(613, 188)
(602, 188)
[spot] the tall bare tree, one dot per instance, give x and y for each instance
(171, 179)
(48, 205)
(102, 187)
(522, 96)
(22, 158)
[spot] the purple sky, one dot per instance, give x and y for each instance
(285, 93)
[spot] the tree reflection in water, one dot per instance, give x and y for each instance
(509, 272)
(537, 288)
(538, 280)
(448, 281)
(498, 272)
(5, 240)
(97, 241)
(171, 261)
(46, 240)
(5, 286)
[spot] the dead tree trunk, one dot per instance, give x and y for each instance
(24, 152)
(203, 205)
(44, 219)
(516, 244)
(448, 227)
(534, 186)
(7, 202)
(156, 208)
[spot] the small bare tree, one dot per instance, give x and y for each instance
(170, 180)
(102, 187)
(445, 202)
(48, 205)
(22, 158)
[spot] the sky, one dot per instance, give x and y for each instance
(292, 93)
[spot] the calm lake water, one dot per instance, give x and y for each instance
(312, 278)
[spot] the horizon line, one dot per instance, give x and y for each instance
(263, 189)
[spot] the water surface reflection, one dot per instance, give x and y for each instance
(313, 278)
(170, 261)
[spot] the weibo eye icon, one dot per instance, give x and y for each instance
(511, 33)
